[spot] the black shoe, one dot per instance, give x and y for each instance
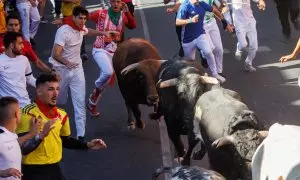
(80, 138)
(84, 57)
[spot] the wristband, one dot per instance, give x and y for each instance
(189, 21)
(37, 138)
(224, 22)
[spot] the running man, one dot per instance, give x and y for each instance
(66, 61)
(113, 19)
(213, 33)
(191, 15)
(245, 27)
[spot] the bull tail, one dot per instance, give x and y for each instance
(160, 171)
(197, 118)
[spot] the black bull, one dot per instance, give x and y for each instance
(177, 100)
(231, 132)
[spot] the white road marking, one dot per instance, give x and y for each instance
(164, 139)
(263, 49)
(149, 5)
(144, 23)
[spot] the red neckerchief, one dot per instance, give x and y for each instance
(49, 112)
(69, 21)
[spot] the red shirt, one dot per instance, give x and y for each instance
(26, 51)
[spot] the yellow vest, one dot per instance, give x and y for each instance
(50, 149)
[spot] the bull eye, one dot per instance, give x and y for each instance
(141, 77)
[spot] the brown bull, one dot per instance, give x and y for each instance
(136, 85)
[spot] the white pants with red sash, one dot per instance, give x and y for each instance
(73, 80)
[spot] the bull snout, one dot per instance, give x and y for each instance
(152, 99)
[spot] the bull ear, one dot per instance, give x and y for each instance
(208, 80)
(222, 141)
(167, 83)
(263, 134)
(129, 68)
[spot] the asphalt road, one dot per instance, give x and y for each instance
(272, 92)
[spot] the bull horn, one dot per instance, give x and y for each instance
(263, 134)
(208, 80)
(168, 83)
(129, 68)
(134, 66)
(222, 141)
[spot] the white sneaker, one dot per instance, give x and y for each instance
(220, 78)
(249, 68)
(238, 55)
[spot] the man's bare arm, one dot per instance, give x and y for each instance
(42, 66)
(57, 55)
(293, 55)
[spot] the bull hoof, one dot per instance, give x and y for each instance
(199, 155)
(131, 126)
(140, 124)
(154, 116)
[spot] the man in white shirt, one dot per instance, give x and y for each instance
(245, 26)
(68, 64)
(15, 69)
(10, 152)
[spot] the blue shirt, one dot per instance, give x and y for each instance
(188, 10)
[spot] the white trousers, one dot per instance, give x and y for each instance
(250, 32)
(213, 34)
(30, 17)
(75, 81)
(202, 43)
(104, 62)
